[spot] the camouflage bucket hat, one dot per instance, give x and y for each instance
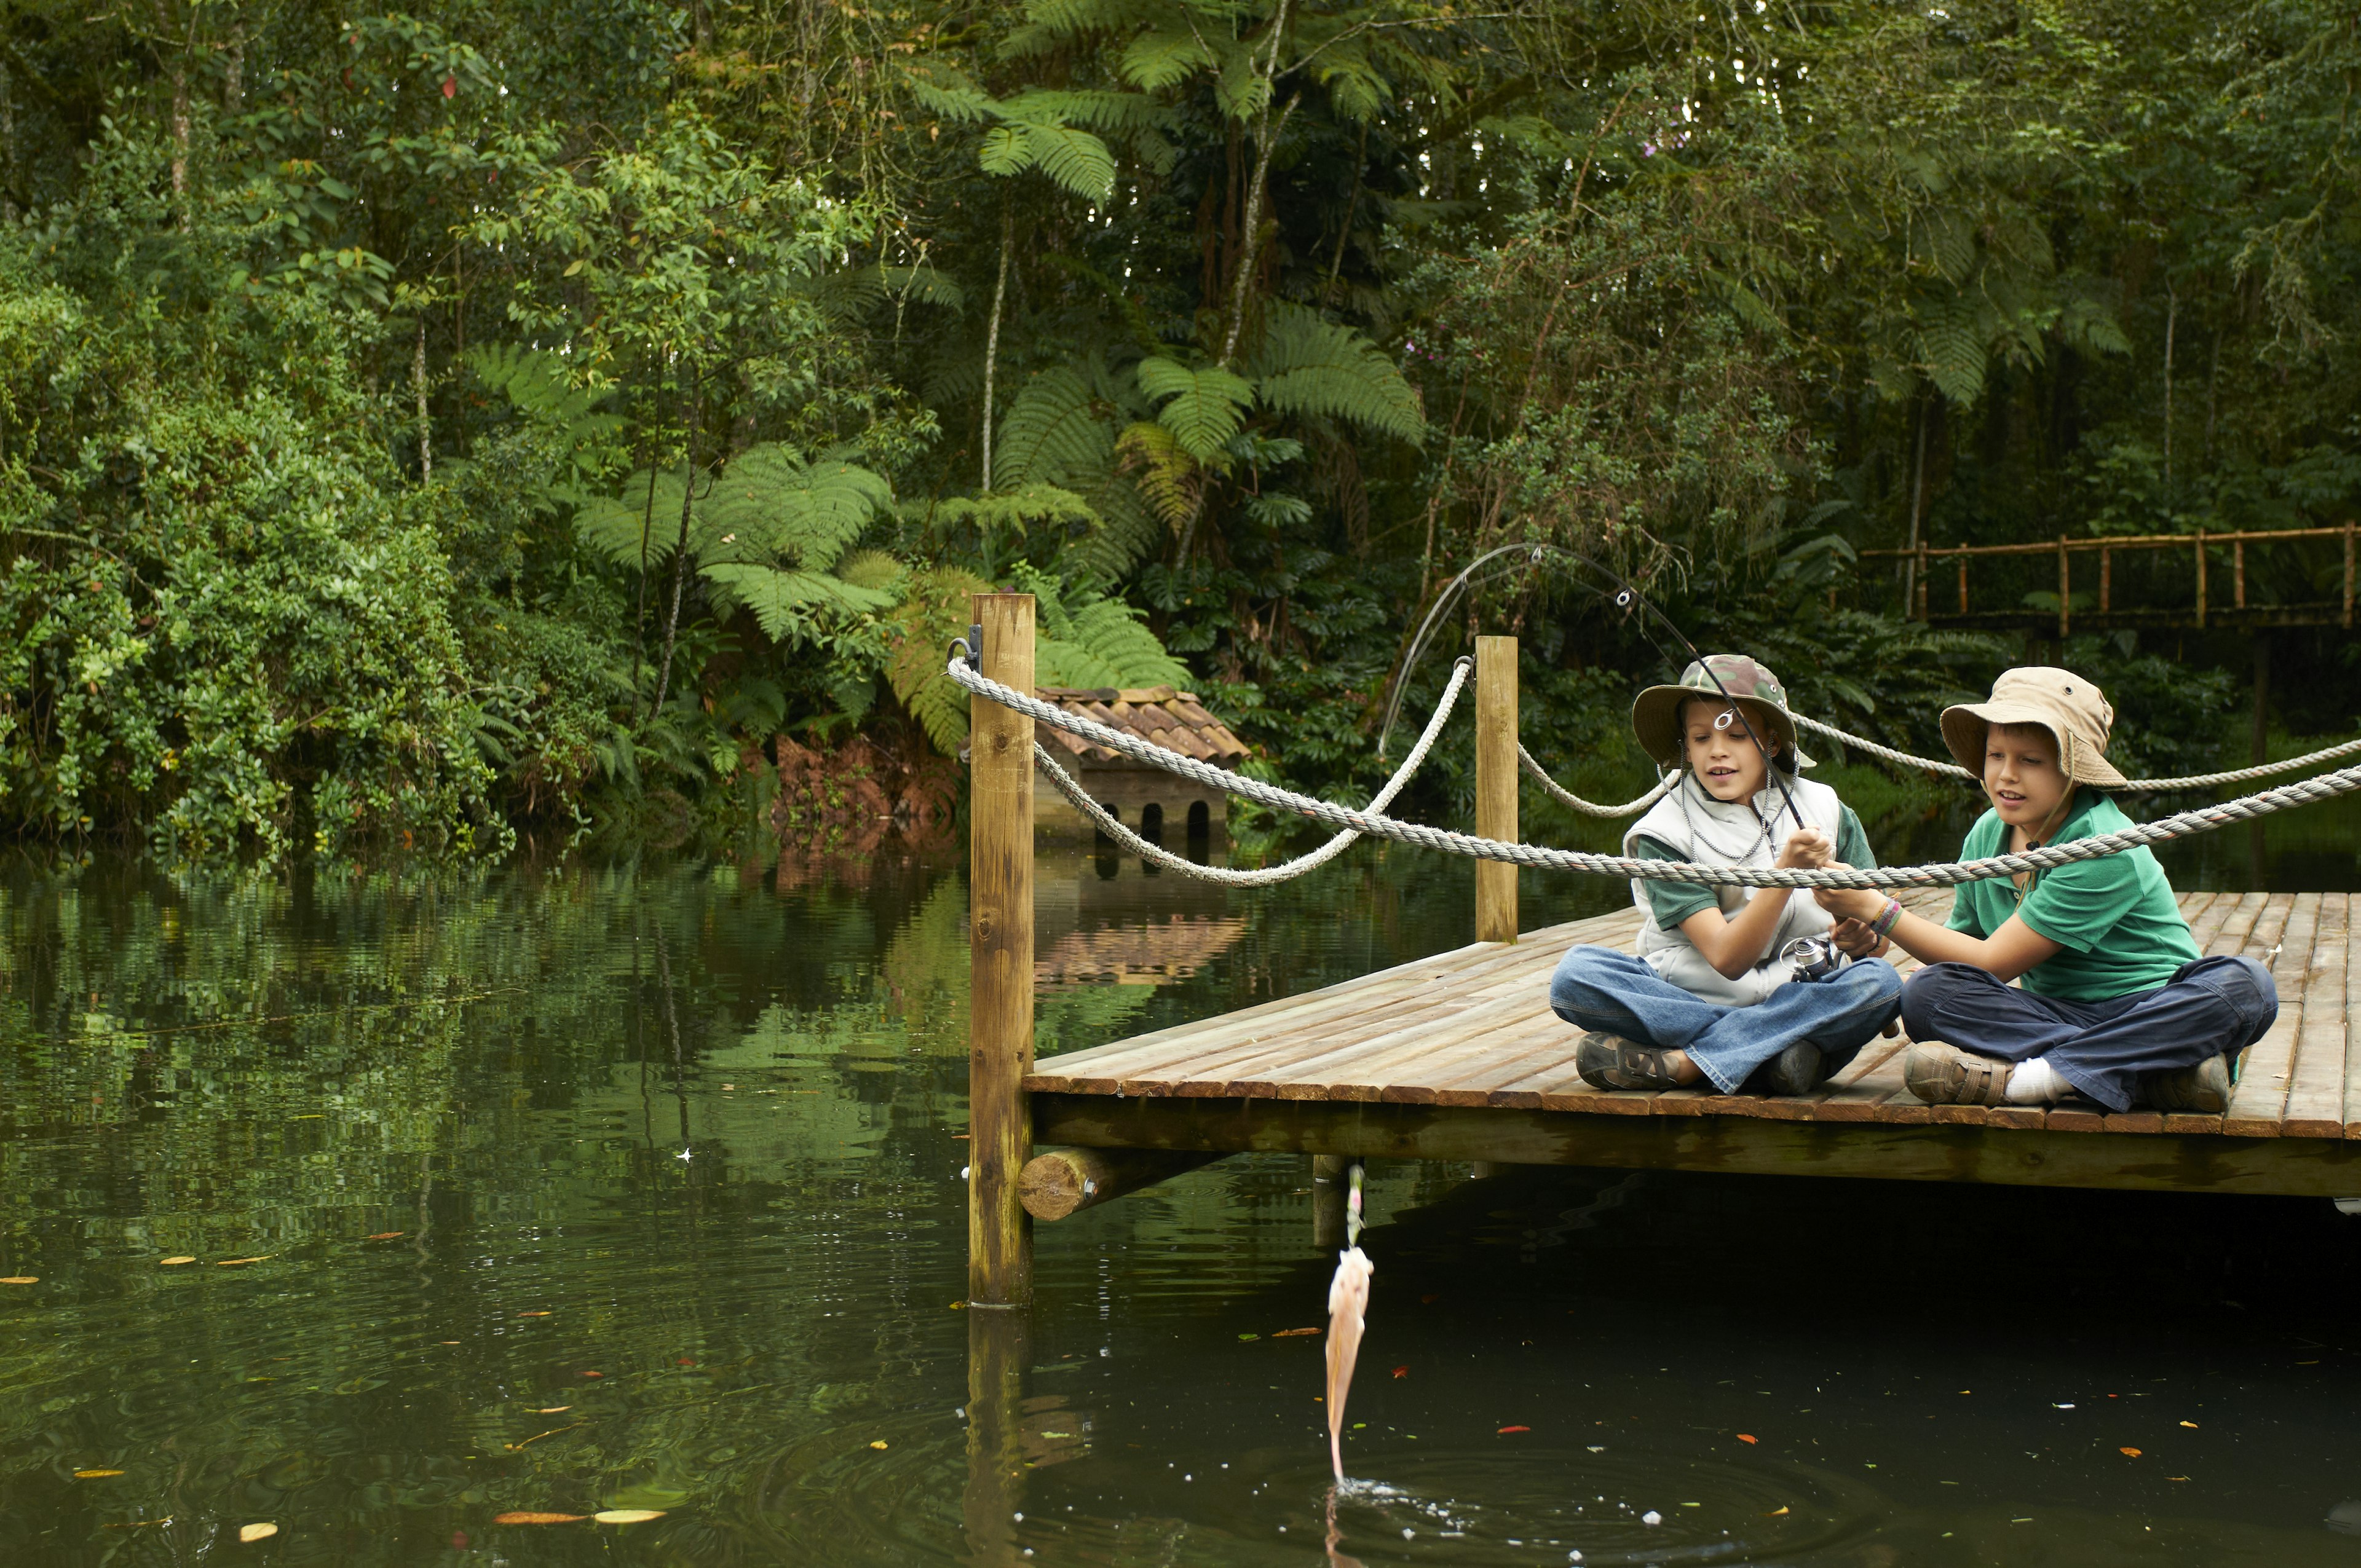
(1656, 712)
(2073, 710)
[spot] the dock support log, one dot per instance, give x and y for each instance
(1496, 784)
(1066, 1181)
(1000, 962)
(1330, 1177)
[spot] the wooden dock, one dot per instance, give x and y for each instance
(1458, 1058)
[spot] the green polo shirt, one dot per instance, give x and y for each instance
(2114, 919)
(1673, 902)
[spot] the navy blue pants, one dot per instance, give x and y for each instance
(2214, 1007)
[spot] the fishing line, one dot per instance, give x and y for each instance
(1625, 597)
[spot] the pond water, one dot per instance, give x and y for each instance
(572, 1188)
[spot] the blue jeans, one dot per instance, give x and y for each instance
(2213, 1007)
(1599, 988)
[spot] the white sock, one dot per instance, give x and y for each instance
(2035, 1082)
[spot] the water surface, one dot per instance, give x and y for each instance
(569, 1188)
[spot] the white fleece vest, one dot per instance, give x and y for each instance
(1696, 827)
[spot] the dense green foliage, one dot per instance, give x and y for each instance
(412, 427)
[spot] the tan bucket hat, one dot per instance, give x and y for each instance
(2061, 701)
(1656, 711)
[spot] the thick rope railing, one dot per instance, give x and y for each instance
(1945, 874)
(1261, 876)
(1566, 797)
(2194, 780)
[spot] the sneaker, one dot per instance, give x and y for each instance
(1610, 1061)
(2204, 1088)
(1798, 1069)
(1946, 1075)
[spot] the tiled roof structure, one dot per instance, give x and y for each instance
(1171, 719)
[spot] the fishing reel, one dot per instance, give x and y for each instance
(1813, 958)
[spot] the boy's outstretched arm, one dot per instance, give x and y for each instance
(2007, 952)
(1734, 944)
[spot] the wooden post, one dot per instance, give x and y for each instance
(2065, 589)
(1496, 784)
(2106, 579)
(1000, 962)
(2238, 573)
(1963, 581)
(1922, 581)
(2201, 579)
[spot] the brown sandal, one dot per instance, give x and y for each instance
(1946, 1075)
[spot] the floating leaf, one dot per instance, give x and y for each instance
(1507, 1430)
(2132, 1452)
(1250, 1336)
(176, 1262)
(1745, 1437)
(2190, 1424)
(628, 1516)
(550, 1409)
(878, 1443)
(254, 1532)
(1401, 1370)
(237, 1262)
(1774, 1513)
(385, 1235)
(526, 1516)
(533, 1314)
(1293, 1333)
(21, 1279)
(93, 1474)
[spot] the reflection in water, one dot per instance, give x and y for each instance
(554, 1191)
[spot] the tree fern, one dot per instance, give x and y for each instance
(630, 530)
(1952, 348)
(1103, 643)
(943, 89)
(1309, 367)
(1207, 404)
(785, 602)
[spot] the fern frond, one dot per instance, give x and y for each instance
(1170, 479)
(1052, 431)
(806, 513)
(785, 602)
(1098, 109)
(873, 569)
(1240, 91)
(1076, 161)
(626, 530)
(942, 88)
(1164, 57)
(1004, 151)
(1207, 404)
(1952, 349)
(1104, 644)
(1309, 367)
(934, 607)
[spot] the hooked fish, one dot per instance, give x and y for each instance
(1348, 1306)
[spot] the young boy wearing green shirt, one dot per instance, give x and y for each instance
(2115, 1000)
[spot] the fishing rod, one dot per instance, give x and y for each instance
(1625, 597)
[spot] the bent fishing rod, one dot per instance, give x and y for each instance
(1627, 597)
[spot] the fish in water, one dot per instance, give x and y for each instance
(1348, 1308)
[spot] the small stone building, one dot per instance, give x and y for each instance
(1150, 801)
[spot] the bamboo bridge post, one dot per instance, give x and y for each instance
(2106, 579)
(2348, 574)
(2065, 590)
(1496, 784)
(2201, 579)
(1000, 962)
(1963, 581)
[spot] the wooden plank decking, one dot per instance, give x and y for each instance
(1458, 1056)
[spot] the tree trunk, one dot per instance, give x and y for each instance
(680, 550)
(1917, 494)
(2171, 319)
(992, 333)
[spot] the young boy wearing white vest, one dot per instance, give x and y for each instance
(1714, 995)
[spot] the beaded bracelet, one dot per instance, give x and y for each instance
(1883, 925)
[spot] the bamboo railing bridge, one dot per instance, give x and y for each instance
(1951, 604)
(1458, 1056)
